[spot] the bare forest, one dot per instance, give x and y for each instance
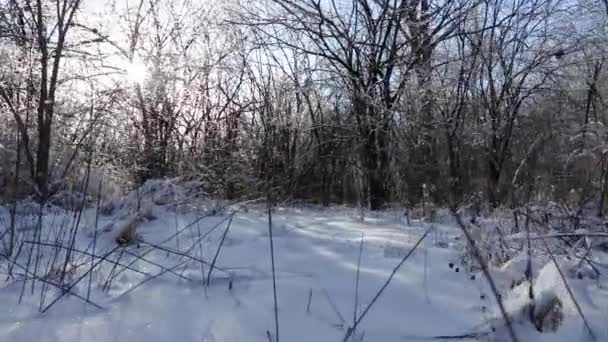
(460, 113)
(370, 103)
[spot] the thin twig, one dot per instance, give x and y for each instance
(11, 266)
(77, 224)
(152, 278)
(181, 276)
(467, 336)
(39, 236)
(350, 331)
(357, 281)
(45, 281)
(158, 245)
(29, 257)
(333, 306)
(274, 281)
(110, 278)
(85, 253)
(181, 255)
(309, 301)
(217, 252)
(528, 272)
(50, 305)
(180, 263)
(202, 256)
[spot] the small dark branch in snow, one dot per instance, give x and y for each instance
(274, 281)
(334, 307)
(528, 272)
(570, 293)
(45, 281)
(184, 254)
(202, 256)
(585, 258)
(12, 265)
(29, 257)
(309, 301)
(75, 228)
(90, 254)
(196, 221)
(181, 254)
(157, 265)
(112, 274)
(426, 289)
(475, 335)
(486, 272)
(219, 248)
(350, 330)
(69, 288)
(38, 253)
(152, 278)
(357, 281)
(191, 224)
(48, 271)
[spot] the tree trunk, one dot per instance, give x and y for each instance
(493, 184)
(43, 158)
(374, 155)
(376, 161)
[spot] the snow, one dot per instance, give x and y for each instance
(316, 255)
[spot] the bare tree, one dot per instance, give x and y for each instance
(510, 73)
(42, 27)
(373, 47)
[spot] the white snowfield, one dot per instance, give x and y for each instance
(316, 257)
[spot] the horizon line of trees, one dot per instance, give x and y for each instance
(371, 102)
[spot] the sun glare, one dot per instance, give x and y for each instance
(136, 72)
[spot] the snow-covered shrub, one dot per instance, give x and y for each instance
(171, 193)
(489, 239)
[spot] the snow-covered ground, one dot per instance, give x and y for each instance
(316, 258)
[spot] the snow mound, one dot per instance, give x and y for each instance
(555, 315)
(174, 194)
(513, 272)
